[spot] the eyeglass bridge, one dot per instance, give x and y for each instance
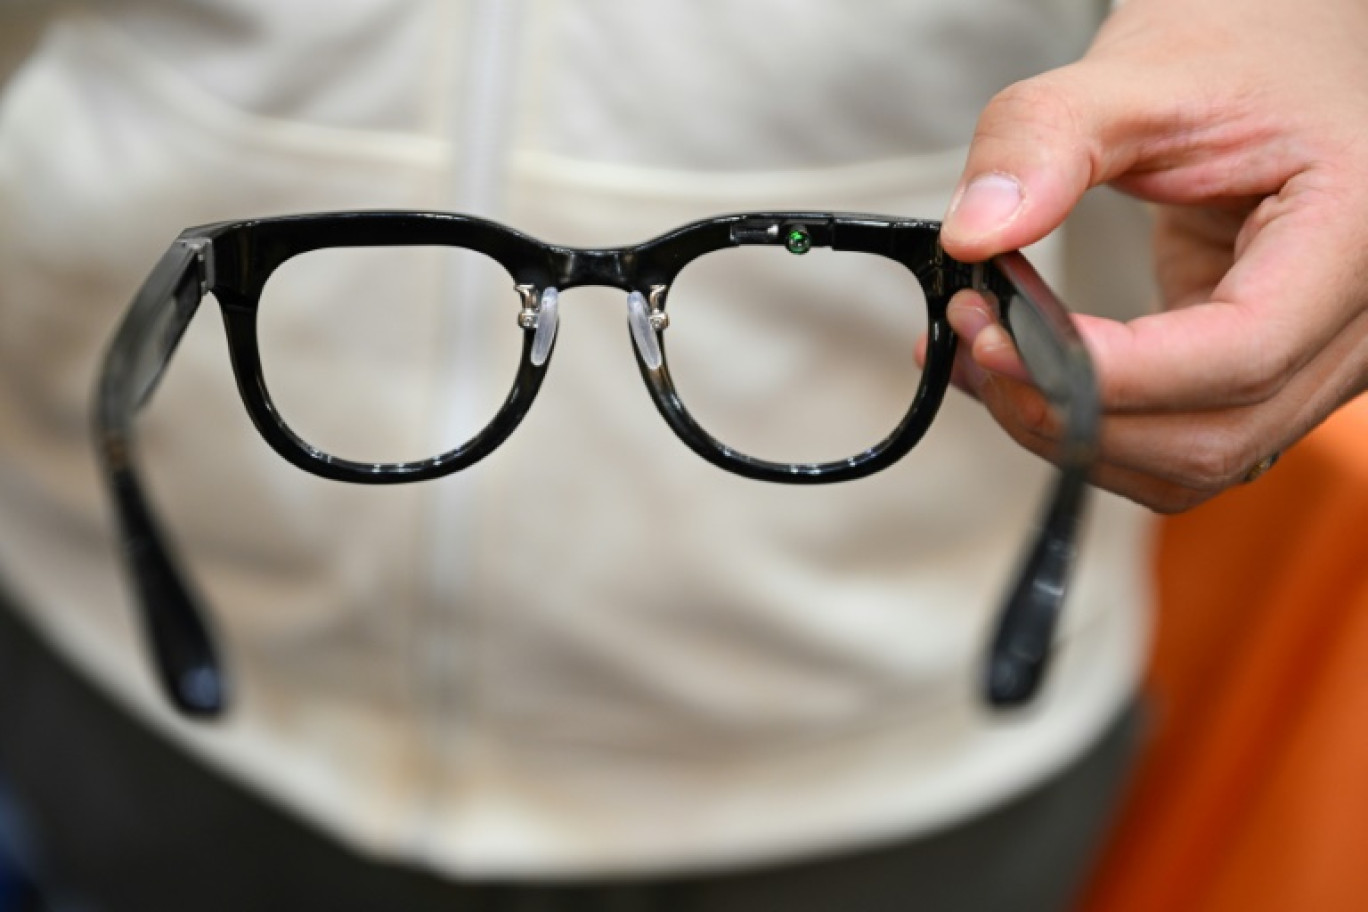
(645, 316)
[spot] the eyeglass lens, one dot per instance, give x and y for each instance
(389, 354)
(397, 354)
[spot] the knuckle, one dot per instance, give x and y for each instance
(1123, 392)
(1216, 459)
(1023, 408)
(1034, 97)
(1260, 218)
(1039, 103)
(1264, 374)
(1036, 416)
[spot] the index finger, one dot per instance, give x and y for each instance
(1288, 294)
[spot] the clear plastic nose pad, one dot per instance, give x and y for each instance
(548, 318)
(639, 320)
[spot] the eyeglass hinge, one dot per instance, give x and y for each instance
(204, 256)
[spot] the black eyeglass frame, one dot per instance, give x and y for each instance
(233, 261)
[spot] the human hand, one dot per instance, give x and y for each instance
(1247, 122)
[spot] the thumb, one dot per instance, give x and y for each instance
(1039, 145)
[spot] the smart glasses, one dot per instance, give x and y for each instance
(235, 261)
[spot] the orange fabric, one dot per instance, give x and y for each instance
(1252, 795)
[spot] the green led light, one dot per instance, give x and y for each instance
(798, 240)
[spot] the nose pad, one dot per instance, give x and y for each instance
(643, 332)
(548, 318)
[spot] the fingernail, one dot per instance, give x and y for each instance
(988, 204)
(995, 352)
(991, 340)
(967, 320)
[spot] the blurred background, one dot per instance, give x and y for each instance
(595, 658)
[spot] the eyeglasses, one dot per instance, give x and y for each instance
(234, 261)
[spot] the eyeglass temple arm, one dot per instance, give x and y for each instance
(1061, 367)
(1026, 628)
(182, 646)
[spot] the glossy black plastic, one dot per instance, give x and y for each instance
(234, 260)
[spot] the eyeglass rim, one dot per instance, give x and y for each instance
(248, 253)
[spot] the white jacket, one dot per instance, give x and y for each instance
(593, 652)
